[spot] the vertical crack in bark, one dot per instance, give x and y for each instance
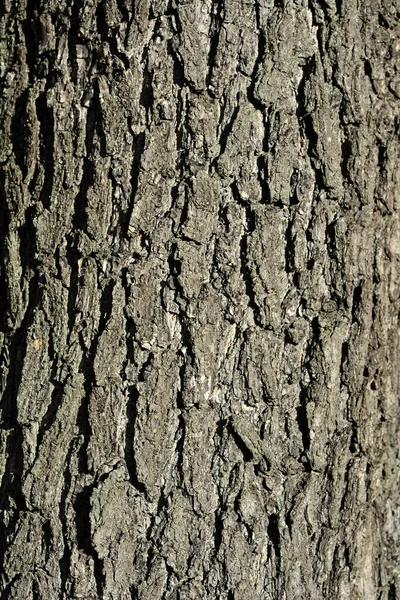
(5, 219)
(51, 412)
(87, 368)
(109, 36)
(290, 247)
(214, 32)
(31, 29)
(11, 487)
(262, 47)
(306, 395)
(82, 508)
(274, 536)
(227, 130)
(247, 453)
(181, 431)
(65, 559)
(245, 271)
(19, 131)
(74, 37)
(218, 529)
(80, 219)
(46, 120)
(306, 121)
(139, 145)
(131, 413)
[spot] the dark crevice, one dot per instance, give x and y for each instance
(305, 394)
(294, 199)
(178, 71)
(356, 308)
(288, 521)
(73, 288)
(339, 7)
(180, 78)
(180, 442)
(149, 561)
(131, 413)
(35, 591)
(85, 429)
(262, 175)
(247, 527)
(262, 45)
(65, 559)
(108, 35)
(244, 255)
(302, 419)
(248, 455)
(139, 145)
(290, 247)
(4, 257)
(82, 507)
(184, 213)
(7, 587)
(346, 552)
(227, 130)
(19, 131)
(274, 536)
(344, 362)
(346, 157)
(106, 305)
(383, 21)
(87, 368)
(217, 19)
(218, 530)
(331, 243)
(80, 219)
(46, 120)
(162, 507)
(32, 33)
(146, 368)
(354, 445)
(306, 121)
(175, 266)
(382, 180)
(51, 412)
(11, 486)
(130, 331)
(346, 485)
(248, 280)
(382, 156)
(27, 241)
(147, 95)
(123, 8)
(74, 37)
(134, 593)
(47, 538)
(368, 71)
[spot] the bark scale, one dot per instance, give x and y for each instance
(199, 333)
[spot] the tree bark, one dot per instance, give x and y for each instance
(199, 317)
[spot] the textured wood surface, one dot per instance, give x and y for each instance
(199, 300)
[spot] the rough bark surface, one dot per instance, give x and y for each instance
(200, 299)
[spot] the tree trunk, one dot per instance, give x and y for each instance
(199, 317)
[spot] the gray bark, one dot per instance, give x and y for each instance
(199, 333)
